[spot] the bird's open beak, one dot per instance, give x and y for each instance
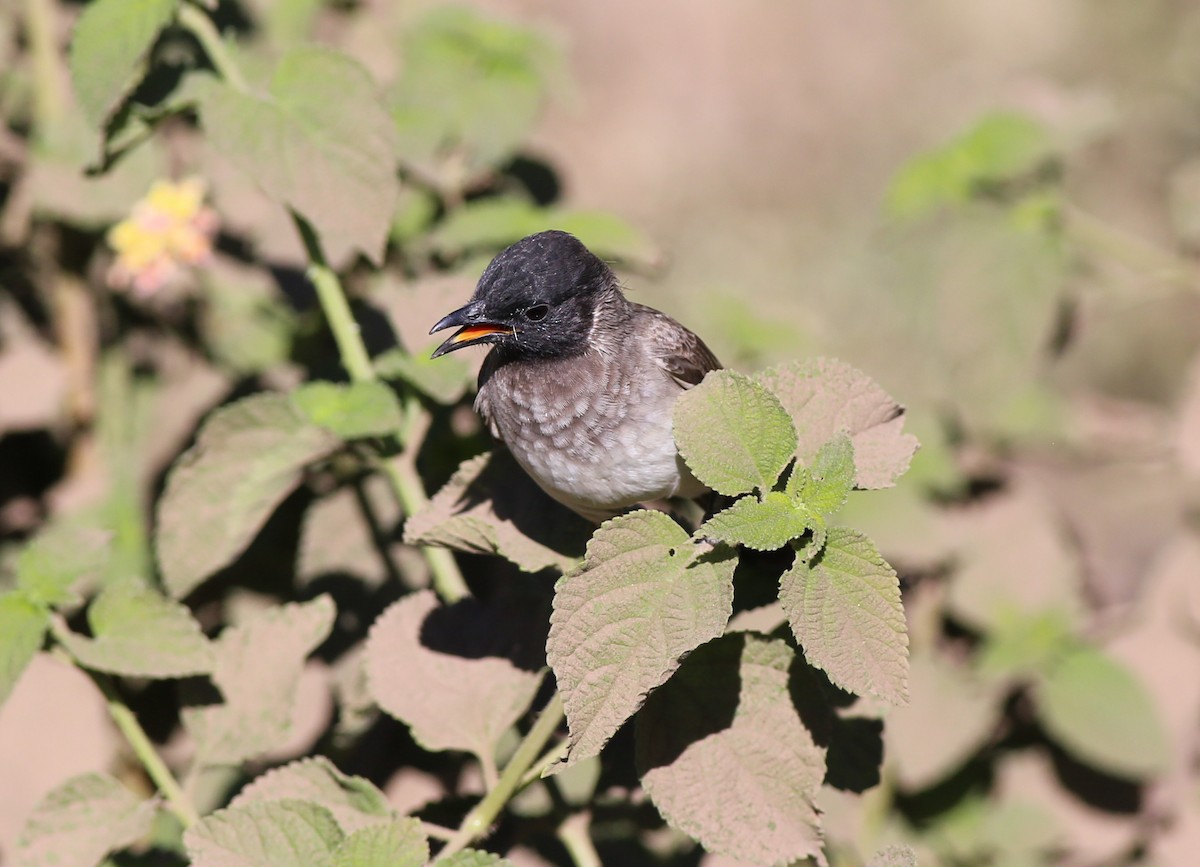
(472, 329)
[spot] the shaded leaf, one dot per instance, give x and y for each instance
(23, 625)
(353, 411)
(844, 608)
(337, 539)
(644, 597)
(244, 324)
(246, 460)
(257, 670)
(354, 802)
(138, 632)
(472, 858)
(491, 506)
(435, 378)
(733, 433)
(826, 397)
(1096, 709)
(444, 672)
(286, 833)
(728, 715)
(81, 821)
(108, 49)
(321, 143)
(51, 568)
(894, 856)
(398, 843)
(763, 526)
(822, 487)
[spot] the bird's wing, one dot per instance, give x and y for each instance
(678, 351)
(483, 398)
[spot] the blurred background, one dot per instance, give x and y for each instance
(992, 208)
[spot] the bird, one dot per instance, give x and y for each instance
(579, 382)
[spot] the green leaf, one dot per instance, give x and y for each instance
(51, 568)
(398, 843)
(434, 378)
(458, 688)
(1102, 714)
(108, 49)
(81, 821)
(287, 833)
(844, 608)
(23, 625)
(823, 486)
(1021, 644)
(140, 633)
(726, 756)
(894, 856)
(247, 458)
(355, 802)
(244, 325)
(360, 409)
(826, 398)
(762, 526)
(734, 434)
(1002, 147)
(472, 858)
(470, 85)
(257, 670)
(644, 597)
(320, 142)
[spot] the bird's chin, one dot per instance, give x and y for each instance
(473, 335)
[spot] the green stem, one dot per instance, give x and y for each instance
(480, 819)
(206, 33)
(1090, 231)
(127, 723)
(48, 98)
(576, 837)
(337, 311)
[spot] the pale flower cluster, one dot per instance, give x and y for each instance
(167, 230)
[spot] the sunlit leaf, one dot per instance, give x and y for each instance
(762, 526)
(353, 801)
(352, 411)
(82, 820)
(822, 487)
(844, 608)
(472, 858)
(645, 597)
(23, 625)
(444, 379)
(398, 843)
(287, 833)
(734, 434)
(52, 566)
(728, 715)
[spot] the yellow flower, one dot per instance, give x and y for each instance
(169, 228)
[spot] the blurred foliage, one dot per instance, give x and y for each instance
(1045, 538)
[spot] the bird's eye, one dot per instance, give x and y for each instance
(537, 313)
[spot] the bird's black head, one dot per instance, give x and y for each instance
(535, 299)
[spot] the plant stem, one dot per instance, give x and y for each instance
(576, 837)
(336, 308)
(206, 33)
(480, 819)
(127, 723)
(49, 102)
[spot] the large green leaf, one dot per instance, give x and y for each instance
(397, 843)
(138, 632)
(644, 598)
(320, 141)
(247, 458)
(23, 625)
(287, 833)
(51, 568)
(734, 434)
(1102, 714)
(762, 526)
(844, 607)
(354, 411)
(108, 49)
(81, 821)
(353, 801)
(727, 757)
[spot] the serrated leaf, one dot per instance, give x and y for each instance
(823, 486)
(355, 802)
(762, 526)
(734, 434)
(246, 460)
(81, 821)
(137, 632)
(287, 833)
(1100, 713)
(23, 625)
(491, 506)
(824, 398)
(398, 843)
(52, 567)
(446, 672)
(844, 608)
(444, 383)
(728, 715)
(108, 48)
(321, 142)
(353, 411)
(894, 856)
(257, 670)
(473, 858)
(644, 598)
